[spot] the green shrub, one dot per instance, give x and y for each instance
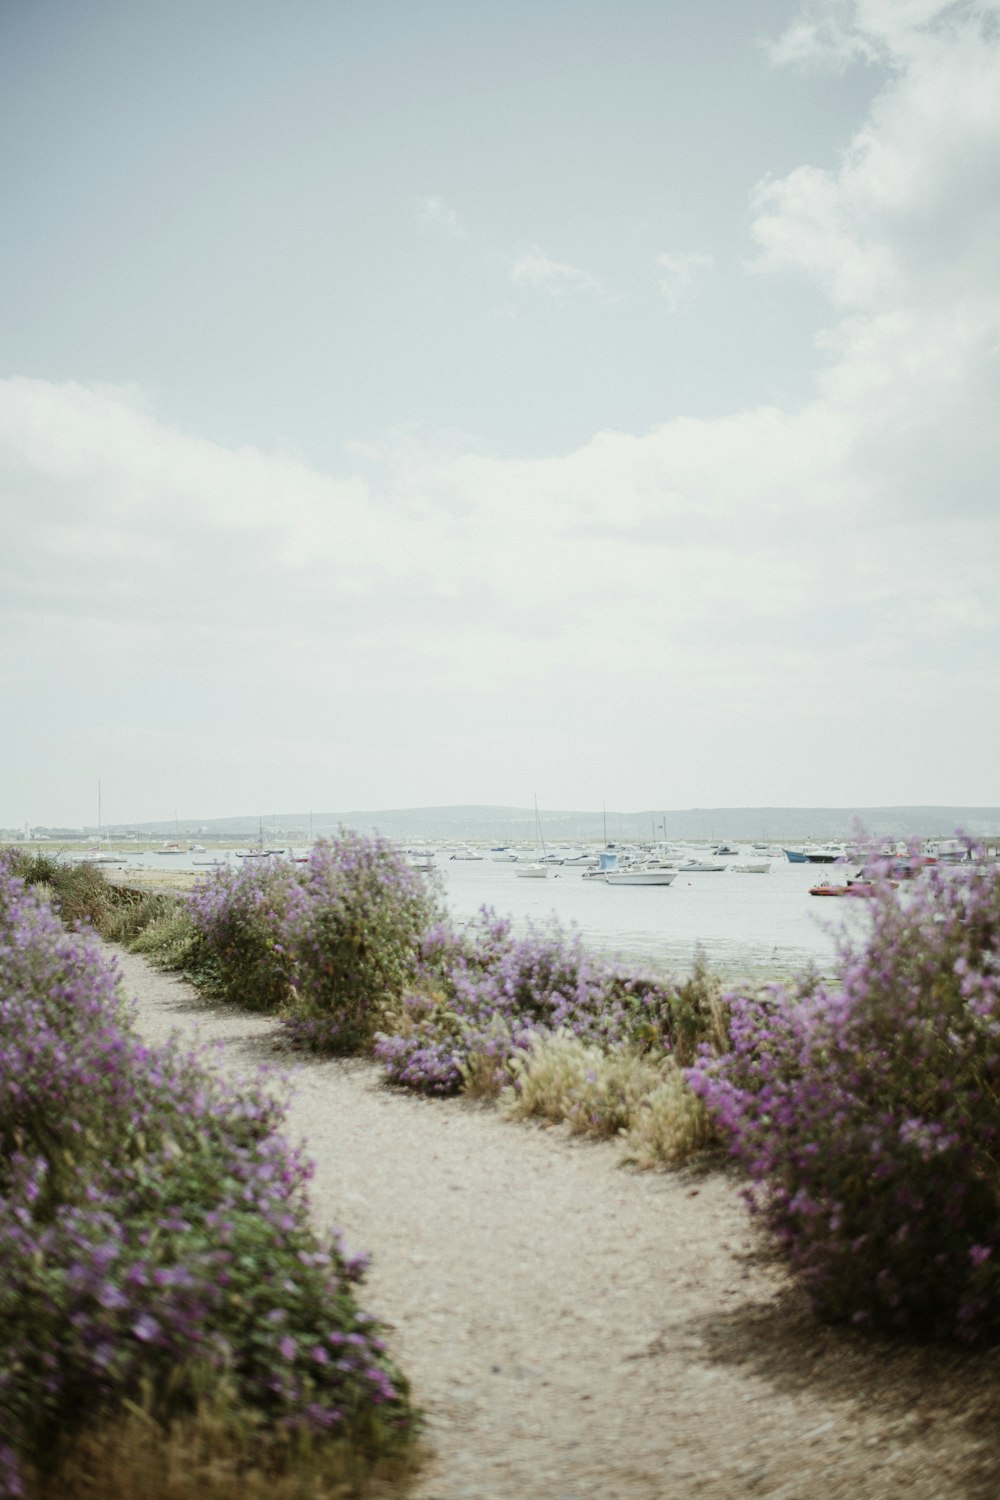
(170, 940)
(132, 911)
(236, 915)
(351, 926)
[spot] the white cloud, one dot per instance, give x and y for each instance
(901, 237)
(433, 216)
(836, 33)
(677, 275)
(833, 562)
(534, 269)
(912, 213)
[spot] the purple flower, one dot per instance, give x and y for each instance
(146, 1328)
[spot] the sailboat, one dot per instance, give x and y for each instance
(101, 853)
(536, 871)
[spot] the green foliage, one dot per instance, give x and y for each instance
(236, 915)
(170, 940)
(351, 928)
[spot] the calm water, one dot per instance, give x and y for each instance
(759, 925)
(753, 925)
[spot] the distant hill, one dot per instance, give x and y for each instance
(503, 824)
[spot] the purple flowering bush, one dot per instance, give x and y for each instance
(484, 993)
(868, 1113)
(154, 1231)
(236, 915)
(351, 926)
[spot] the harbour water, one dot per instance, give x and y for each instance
(752, 926)
(748, 926)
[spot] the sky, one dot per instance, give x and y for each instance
(424, 404)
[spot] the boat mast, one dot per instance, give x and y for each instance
(539, 835)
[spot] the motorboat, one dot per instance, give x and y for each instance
(699, 867)
(532, 872)
(856, 885)
(752, 867)
(826, 888)
(640, 875)
(826, 854)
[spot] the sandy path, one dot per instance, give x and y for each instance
(578, 1332)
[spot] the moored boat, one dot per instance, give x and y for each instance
(640, 875)
(827, 854)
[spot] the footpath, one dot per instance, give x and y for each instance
(577, 1331)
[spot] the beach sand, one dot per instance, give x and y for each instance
(577, 1331)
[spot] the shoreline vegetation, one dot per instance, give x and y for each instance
(865, 1114)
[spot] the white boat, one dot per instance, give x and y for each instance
(640, 875)
(754, 867)
(699, 867)
(827, 854)
(532, 872)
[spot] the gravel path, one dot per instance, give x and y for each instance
(575, 1331)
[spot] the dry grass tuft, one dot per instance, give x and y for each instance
(669, 1126)
(595, 1092)
(645, 1100)
(217, 1453)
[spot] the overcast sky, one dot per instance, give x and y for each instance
(421, 402)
